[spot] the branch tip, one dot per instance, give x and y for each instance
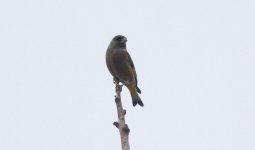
(118, 88)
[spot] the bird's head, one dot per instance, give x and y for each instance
(119, 41)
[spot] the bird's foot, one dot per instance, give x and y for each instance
(116, 80)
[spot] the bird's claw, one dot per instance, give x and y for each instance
(115, 80)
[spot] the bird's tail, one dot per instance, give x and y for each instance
(135, 97)
(136, 100)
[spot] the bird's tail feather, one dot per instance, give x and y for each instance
(138, 90)
(136, 99)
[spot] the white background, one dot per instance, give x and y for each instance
(195, 62)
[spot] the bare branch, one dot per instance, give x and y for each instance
(121, 125)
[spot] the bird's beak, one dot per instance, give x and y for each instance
(124, 40)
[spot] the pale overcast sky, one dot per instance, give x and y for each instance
(195, 62)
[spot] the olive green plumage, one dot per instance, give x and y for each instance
(122, 67)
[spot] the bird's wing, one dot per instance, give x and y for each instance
(129, 60)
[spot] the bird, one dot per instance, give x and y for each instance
(121, 67)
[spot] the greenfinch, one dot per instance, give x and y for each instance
(122, 67)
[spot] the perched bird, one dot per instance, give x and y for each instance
(122, 67)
